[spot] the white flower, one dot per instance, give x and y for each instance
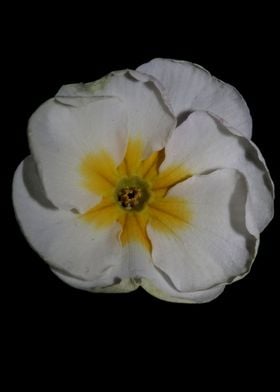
(115, 195)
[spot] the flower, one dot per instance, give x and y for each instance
(145, 178)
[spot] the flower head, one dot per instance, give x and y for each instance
(145, 178)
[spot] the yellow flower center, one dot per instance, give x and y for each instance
(135, 193)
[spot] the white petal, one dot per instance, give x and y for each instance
(125, 285)
(162, 289)
(149, 114)
(215, 248)
(157, 283)
(90, 257)
(61, 134)
(190, 87)
(202, 144)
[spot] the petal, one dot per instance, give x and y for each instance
(158, 284)
(133, 158)
(169, 213)
(125, 285)
(134, 229)
(202, 144)
(190, 87)
(162, 289)
(63, 135)
(149, 114)
(73, 248)
(215, 246)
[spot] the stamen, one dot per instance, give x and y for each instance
(132, 193)
(129, 197)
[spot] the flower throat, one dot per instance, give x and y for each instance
(132, 193)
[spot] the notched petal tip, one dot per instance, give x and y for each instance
(190, 87)
(204, 143)
(170, 294)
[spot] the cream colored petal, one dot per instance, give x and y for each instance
(202, 144)
(158, 284)
(214, 247)
(62, 135)
(190, 87)
(74, 249)
(149, 113)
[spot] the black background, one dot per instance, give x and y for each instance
(44, 54)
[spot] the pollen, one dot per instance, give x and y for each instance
(129, 198)
(132, 193)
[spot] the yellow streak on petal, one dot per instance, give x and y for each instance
(134, 229)
(149, 167)
(169, 214)
(99, 173)
(132, 159)
(103, 214)
(165, 213)
(170, 177)
(158, 194)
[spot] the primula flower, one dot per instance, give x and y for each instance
(145, 178)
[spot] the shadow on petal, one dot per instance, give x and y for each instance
(34, 184)
(252, 156)
(237, 210)
(183, 116)
(167, 279)
(67, 274)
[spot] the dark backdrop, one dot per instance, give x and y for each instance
(42, 56)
